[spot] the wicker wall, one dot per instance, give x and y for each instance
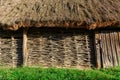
(48, 47)
(59, 48)
(10, 48)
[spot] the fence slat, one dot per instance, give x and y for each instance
(116, 47)
(97, 50)
(119, 47)
(109, 54)
(113, 49)
(106, 49)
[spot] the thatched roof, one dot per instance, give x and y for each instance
(88, 14)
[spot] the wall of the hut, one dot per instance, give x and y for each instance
(10, 48)
(47, 47)
(60, 48)
(107, 48)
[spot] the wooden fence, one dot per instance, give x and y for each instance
(107, 48)
(10, 48)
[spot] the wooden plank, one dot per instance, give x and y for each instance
(109, 54)
(113, 48)
(114, 54)
(116, 47)
(119, 47)
(25, 51)
(102, 51)
(106, 50)
(97, 50)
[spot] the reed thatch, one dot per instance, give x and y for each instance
(90, 14)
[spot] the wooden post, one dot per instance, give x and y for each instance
(12, 50)
(97, 50)
(25, 52)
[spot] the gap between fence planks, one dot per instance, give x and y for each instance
(25, 51)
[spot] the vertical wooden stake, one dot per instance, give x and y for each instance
(87, 47)
(25, 52)
(97, 50)
(13, 54)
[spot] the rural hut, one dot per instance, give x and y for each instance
(60, 33)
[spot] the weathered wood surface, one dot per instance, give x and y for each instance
(107, 54)
(118, 44)
(109, 49)
(97, 50)
(25, 52)
(12, 51)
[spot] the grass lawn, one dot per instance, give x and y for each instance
(28, 73)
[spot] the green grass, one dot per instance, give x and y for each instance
(27, 73)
